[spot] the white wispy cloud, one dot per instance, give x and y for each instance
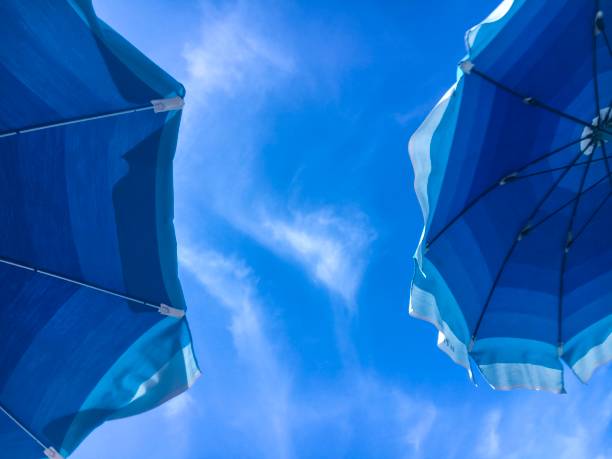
(417, 417)
(233, 64)
(396, 422)
(237, 63)
(488, 446)
(232, 283)
(331, 246)
(233, 55)
(576, 425)
(236, 53)
(239, 59)
(277, 413)
(178, 406)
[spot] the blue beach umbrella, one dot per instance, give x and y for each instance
(92, 322)
(512, 171)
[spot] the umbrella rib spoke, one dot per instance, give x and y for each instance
(513, 247)
(157, 105)
(22, 427)
(553, 152)
(48, 451)
(591, 218)
(606, 157)
(502, 181)
(555, 169)
(470, 69)
(570, 226)
(162, 309)
(563, 206)
(68, 121)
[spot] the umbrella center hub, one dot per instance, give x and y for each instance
(599, 132)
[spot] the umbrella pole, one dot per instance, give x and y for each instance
(49, 451)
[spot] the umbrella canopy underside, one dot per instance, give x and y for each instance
(513, 176)
(92, 320)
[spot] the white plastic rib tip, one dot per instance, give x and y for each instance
(599, 22)
(166, 105)
(169, 311)
(466, 67)
(52, 453)
(507, 178)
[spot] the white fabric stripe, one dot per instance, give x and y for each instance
(419, 150)
(498, 13)
(504, 376)
(596, 357)
(423, 306)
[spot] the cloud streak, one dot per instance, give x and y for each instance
(240, 56)
(232, 283)
(231, 55)
(276, 413)
(331, 247)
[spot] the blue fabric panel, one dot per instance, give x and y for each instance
(66, 69)
(16, 440)
(507, 284)
(87, 188)
(86, 330)
(91, 201)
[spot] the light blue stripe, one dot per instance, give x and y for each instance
(161, 352)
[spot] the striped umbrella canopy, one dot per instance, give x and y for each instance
(92, 316)
(512, 171)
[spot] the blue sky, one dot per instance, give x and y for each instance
(297, 220)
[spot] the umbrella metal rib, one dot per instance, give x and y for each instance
(605, 153)
(534, 102)
(576, 200)
(515, 175)
(530, 228)
(570, 227)
(161, 308)
(603, 143)
(513, 247)
(48, 451)
(22, 427)
(81, 119)
(597, 26)
(555, 169)
(502, 181)
(591, 217)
